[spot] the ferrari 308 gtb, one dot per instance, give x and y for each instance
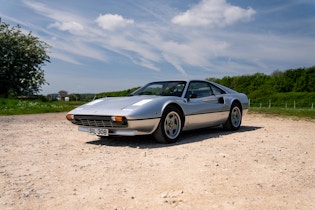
(163, 109)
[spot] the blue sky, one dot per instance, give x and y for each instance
(109, 45)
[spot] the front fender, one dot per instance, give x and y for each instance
(155, 108)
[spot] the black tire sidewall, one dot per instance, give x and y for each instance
(160, 133)
(228, 125)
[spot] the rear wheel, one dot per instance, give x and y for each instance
(235, 118)
(170, 126)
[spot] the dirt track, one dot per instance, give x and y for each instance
(45, 163)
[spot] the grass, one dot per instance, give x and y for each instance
(17, 107)
(306, 113)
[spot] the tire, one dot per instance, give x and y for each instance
(170, 126)
(234, 121)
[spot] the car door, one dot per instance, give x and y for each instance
(204, 107)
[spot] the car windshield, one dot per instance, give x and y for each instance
(169, 88)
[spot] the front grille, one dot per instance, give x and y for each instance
(97, 121)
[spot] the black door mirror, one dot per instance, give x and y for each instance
(193, 95)
(190, 95)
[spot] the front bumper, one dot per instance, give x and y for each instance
(135, 127)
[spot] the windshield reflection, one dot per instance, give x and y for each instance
(165, 88)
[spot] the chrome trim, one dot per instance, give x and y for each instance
(210, 99)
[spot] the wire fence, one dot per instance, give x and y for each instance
(296, 104)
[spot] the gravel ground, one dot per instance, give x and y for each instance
(45, 163)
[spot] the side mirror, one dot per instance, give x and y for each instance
(193, 95)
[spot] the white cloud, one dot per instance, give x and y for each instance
(152, 43)
(175, 62)
(64, 21)
(65, 57)
(71, 26)
(74, 48)
(111, 22)
(213, 13)
(145, 63)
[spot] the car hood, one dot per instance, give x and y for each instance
(113, 105)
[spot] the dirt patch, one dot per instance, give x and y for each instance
(45, 163)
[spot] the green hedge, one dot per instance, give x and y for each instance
(285, 100)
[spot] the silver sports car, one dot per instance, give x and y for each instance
(164, 109)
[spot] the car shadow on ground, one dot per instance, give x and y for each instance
(187, 137)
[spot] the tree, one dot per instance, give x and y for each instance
(63, 94)
(21, 60)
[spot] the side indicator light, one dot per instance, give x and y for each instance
(69, 117)
(118, 118)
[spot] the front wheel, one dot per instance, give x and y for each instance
(235, 118)
(170, 126)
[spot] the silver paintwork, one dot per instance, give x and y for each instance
(143, 112)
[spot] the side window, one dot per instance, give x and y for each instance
(199, 90)
(216, 90)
